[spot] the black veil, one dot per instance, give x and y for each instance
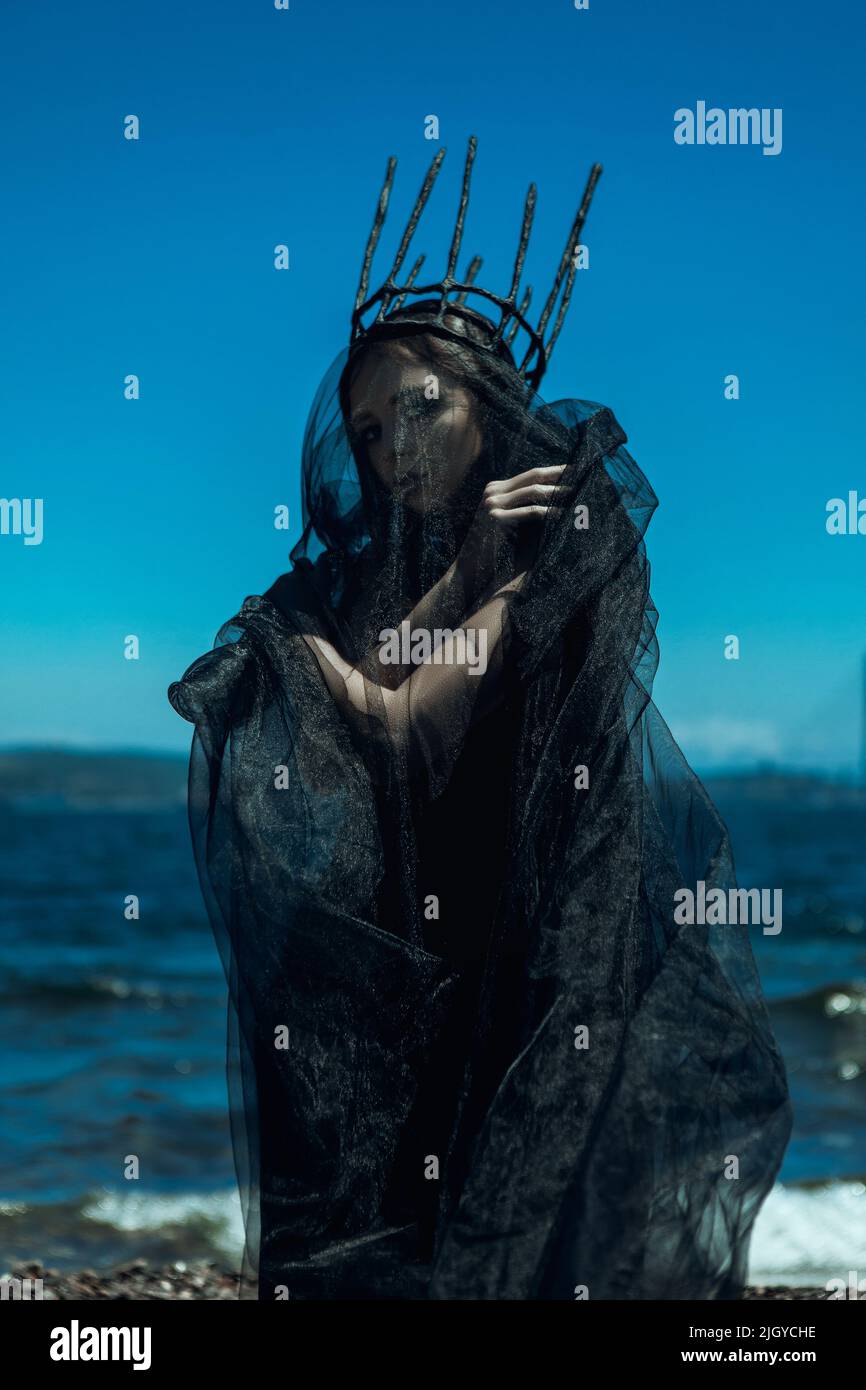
(471, 1053)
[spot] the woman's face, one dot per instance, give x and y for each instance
(417, 427)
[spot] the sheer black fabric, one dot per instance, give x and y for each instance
(471, 1053)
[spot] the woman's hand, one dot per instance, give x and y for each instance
(529, 497)
(508, 524)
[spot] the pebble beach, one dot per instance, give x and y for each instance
(207, 1280)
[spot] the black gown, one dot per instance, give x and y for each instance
(534, 1089)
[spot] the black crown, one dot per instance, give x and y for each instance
(391, 297)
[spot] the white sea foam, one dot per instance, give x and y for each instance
(803, 1236)
(809, 1235)
(219, 1212)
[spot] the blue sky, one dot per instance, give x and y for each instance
(261, 126)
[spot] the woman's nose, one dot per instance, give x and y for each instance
(400, 445)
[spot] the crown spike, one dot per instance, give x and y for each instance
(461, 213)
(521, 309)
(520, 257)
(526, 228)
(574, 233)
(420, 204)
(373, 238)
(473, 269)
(409, 283)
(563, 310)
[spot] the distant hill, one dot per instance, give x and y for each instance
(81, 780)
(773, 785)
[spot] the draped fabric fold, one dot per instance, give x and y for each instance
(472, 1054)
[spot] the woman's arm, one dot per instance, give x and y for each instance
(429, 713)
(506, 506)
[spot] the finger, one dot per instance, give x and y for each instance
(549, 474)
(541, 494)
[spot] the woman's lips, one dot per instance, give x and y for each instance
(408, 482)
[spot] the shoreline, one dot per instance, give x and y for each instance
(205, 1280)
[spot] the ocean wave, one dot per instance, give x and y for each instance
(93, 989)
(809, 1235)
(845, 998)
(106, 1227)
(217, 1213)
(804, 1235)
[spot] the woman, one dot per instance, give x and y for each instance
(440, 830)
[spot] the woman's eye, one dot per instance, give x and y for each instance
(419, 408)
